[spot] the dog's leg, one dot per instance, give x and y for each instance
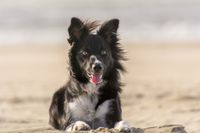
(78, 126)
(122, 126)
(57, 118)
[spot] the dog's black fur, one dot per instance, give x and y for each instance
(84, 43)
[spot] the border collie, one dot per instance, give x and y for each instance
(90, 99)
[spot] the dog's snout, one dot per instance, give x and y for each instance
(96, 64)
(97, 67)
(93, 58)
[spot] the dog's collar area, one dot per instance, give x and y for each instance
(84, 88)
(90, 88)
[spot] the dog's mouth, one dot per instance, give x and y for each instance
(95, 78)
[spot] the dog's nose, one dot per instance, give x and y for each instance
(97, 67)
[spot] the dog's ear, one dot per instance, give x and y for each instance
(75, 30)
(108, 30)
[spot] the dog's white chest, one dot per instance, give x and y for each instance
(83, 108)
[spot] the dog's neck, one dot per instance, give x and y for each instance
(91, 88)
(87, 88)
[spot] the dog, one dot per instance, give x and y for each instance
(90, 99)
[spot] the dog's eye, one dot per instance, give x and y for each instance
(103, 52)
(84, 53)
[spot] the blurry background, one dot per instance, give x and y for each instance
(36, 21)
(161, 39)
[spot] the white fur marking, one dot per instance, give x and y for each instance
(122, 126)
(103, 109)
(83, 108)
(78, 125)
(97, 61)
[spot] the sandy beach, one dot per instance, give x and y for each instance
(162, 85)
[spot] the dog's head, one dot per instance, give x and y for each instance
(94, 56)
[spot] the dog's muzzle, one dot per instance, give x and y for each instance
(96, 75)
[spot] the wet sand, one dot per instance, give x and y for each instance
(162, 85)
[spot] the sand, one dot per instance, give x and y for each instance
(162, 85)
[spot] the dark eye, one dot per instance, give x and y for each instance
(84, 53)
(103, 52)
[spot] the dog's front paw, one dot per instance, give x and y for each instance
(123, 126)
(78, 126)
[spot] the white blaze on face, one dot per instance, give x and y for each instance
(96, 61)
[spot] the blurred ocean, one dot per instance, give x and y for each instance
(46, 21)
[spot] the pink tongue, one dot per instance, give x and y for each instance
(96, 79)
